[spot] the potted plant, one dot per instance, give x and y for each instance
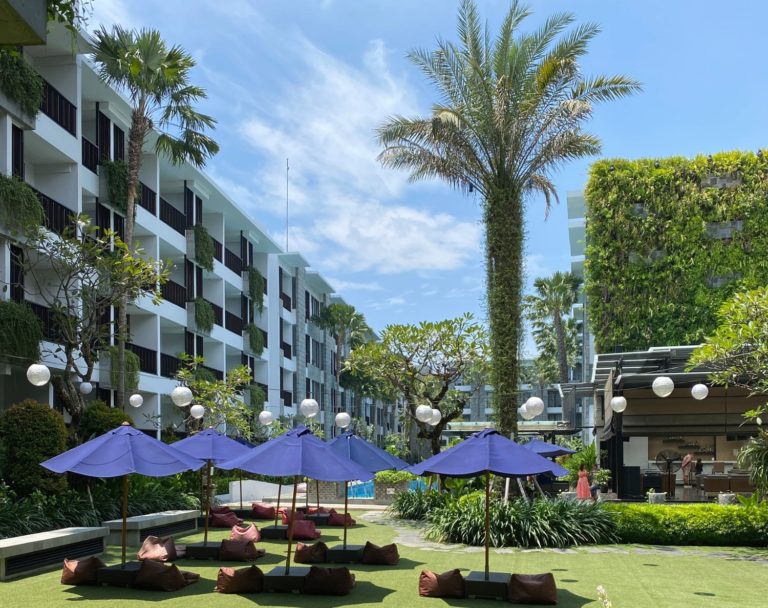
(601, 477)
(655, 497)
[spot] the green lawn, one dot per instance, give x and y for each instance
(634, 576)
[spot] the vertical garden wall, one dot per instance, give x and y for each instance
(668, 241)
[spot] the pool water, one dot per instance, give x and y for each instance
(365, 489)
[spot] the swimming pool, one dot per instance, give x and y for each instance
(365, 489)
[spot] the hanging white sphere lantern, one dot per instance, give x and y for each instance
(423, 413)
(266, 418)
(38, 375)
(181, 396)
(197, 411)
(343, 420)
(526, 413)
(699, 391)
(309, 408)
(86, 388)
(535, 405)
(437, 416)
(663, 386)
(619, 404)
(136, 400)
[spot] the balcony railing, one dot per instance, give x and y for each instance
(218, 374)
(90, 155)
(147, 357)
(286, 348)
(172, 216)
(59, 109)
(217, 250)
(218, 314)
(169, 365)
(264, 333)
(233, 323)
(287, 398)
(148, 198)
(46, 321)
(174, 293)
(57, 216)
(286, 300)
(232, 261)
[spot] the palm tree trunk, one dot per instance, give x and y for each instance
(504, 232)
(562, 356)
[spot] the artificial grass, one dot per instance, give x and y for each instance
(632, 574)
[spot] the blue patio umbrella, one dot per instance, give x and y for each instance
(120, 452)
(213, 447)
(364, 453)
(546, 449)
(298, 453)
(487, 452)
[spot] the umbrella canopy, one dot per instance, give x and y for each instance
(364, 453)
(546, 449)
(211, 445)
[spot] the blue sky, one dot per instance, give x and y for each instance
(311, 80)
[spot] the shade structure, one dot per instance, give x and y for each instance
(212, 447)
(120, 452)
(487, 452)
(546, 449)
(369, 456)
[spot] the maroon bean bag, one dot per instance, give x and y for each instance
(262, 511)
(311, 554)
(303, 529)
(243, 580)
(286, 517)
(224, 520)
(157, 576)
(387, 555)
(447, 584)
(533, 589)
(338, 519)
(221, 509)
(328, 581)
(245, 532)
(239, 551)
(159, 549)
(80, 571)
(316, 510)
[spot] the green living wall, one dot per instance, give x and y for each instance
(668, 241)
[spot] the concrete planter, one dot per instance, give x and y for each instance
(567, 495)
(384, 493)
(657, 498)
(726, 499)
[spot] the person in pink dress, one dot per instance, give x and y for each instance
(582, 488)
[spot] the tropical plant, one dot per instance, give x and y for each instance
(255, 338)
(393, 477)
(256, 289)
(156, 81)
(586, 456)
(416, 504)
(20, 333)
(204, 251)
(117, 183)
(511, 109)
(20, 81)
(20, 209)
(130, 370)
(204, 315)
(98, 418)
(346, 325)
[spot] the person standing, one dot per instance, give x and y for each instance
(582, 487)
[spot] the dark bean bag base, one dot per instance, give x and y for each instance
(533, 589)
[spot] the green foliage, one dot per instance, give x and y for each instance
(753, 457)
(20, 209)
(255, 338)
(203, 247)
(256, 288)
(518, 523)
(667, 245)
(20, 333)
(416, 504)
(20, 81)
(690, 524)
(31, 432)
(98, 418)
(204, 315)
(586, 456)
(257, 396)
(117, 183)
(132, 365)
(393, 477)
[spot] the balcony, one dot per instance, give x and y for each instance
(169, 365)
(286, 300)
(46, 321)
(59, 109)
(232, 261)
(286, 348)
(174, 293)
(148, 198)
(90, 156)
(172, 216)
(233, 323)
(57, 216)
(147, 357)
(218, 374)
(287, 398)
(217, 249)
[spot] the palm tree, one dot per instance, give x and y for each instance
(512, 109)
(156, 80)
(546, 308)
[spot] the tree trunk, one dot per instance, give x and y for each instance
(504, 230)
(562, 356)
(71, 400)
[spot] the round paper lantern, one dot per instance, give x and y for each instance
(181, 396)
(699, 391)
(535, 406)
(86, 388)
(618, 404)
(38, 375)
(663, 386)
(436, 417)
(309, 408)
(266, 418)
(423, 413)
(197, 411)
(136, 400)
(526, 413)
(343, 420)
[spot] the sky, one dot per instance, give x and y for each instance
(311, 80)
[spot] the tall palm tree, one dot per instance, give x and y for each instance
(156, 80)
(511, 109)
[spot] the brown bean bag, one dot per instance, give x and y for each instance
(286, 517)
(223, 520)
(316, 510)
(328, 581)
(239, 551)
(80, 571)
(220, 510)
(159, 549)
(383, 556)
(245, 532)
(337, 519)
(243, 580)
(447, 584)
(156, 576)
(311, 554)
(262, 511)
(533, 589)
(303, 529)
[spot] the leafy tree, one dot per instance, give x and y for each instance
(156, 80)
(98, 418)
(424, 363)
(511, 109)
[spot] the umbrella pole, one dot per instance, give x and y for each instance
(317, 493)
(279, 492)
(241, 488)
(306, 493)
(487, 519)
(207, 503)
(291, 520)
(346, 511)
(124, 530)
(538, 487)
(522, 490)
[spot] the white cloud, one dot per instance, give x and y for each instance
(110, 12)
(344, 285)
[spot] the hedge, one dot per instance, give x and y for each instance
(98, 418)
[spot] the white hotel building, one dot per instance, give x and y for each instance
(83, 121)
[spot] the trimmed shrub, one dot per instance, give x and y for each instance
(204, 315)
(691, 524)
(392, 477)
(98, 418)
(30, 433)
(117, 184)
(20, 81)
(416, 504)
(20, 333)
(20, 209)
(255, 338)
(203, 247)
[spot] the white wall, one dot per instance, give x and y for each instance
(636, 452)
